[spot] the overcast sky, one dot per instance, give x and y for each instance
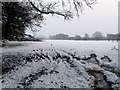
(103, 18)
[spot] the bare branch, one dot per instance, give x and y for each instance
(66, 11)
(66, 14)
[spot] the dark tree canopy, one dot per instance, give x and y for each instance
(15, 17)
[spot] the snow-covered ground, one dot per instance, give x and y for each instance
(53, 64)
(82, 48)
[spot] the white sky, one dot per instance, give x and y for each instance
(103, 18)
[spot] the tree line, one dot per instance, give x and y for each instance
(95, 36)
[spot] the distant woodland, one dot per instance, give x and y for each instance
(95, 36)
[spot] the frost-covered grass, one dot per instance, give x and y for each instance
(58, 73)
(57, 64)
(82, 48)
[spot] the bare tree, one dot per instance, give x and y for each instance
(64, 8)
(86, 36)
(97, 35)
(35, 12)
(77, 37)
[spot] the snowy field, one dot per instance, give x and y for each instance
(60, 64)
(83, 48)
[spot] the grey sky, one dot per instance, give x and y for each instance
(103, 18)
